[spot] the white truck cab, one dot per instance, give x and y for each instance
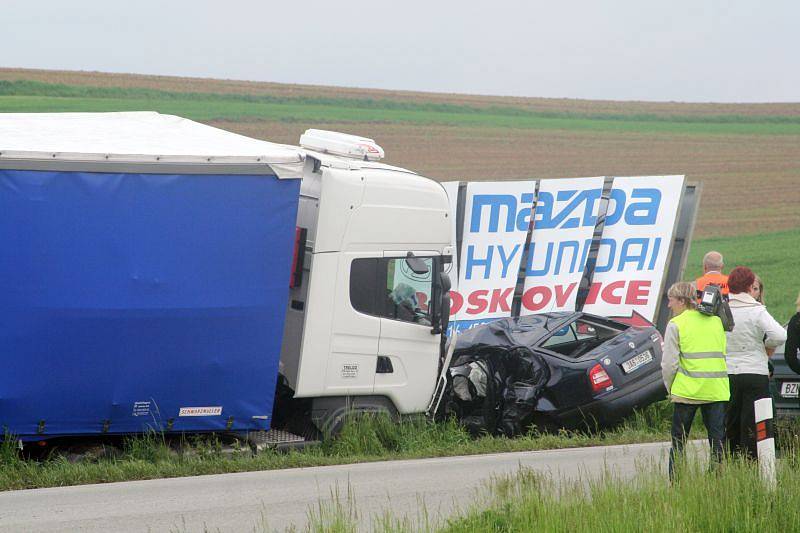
(365, 315)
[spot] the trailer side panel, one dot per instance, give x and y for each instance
(133, 301)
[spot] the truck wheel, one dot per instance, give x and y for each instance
(329, 414)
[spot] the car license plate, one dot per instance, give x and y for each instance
(790, 389)
(637, 361)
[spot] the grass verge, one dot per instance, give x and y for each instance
(371, 439)
(735, 499)
(732, 498)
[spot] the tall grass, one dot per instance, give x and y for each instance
(732, 499)
(9, 451)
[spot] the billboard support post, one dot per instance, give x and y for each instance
(591, 260)
(679, 251)
(516, 307)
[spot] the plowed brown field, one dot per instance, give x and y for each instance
(751, 182)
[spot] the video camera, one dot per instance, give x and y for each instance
(712, 303)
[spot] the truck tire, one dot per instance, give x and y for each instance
(329, 413)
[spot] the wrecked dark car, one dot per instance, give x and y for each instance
(556, 370)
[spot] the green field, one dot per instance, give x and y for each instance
(30, 96)
(773, 256)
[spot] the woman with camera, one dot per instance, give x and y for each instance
(694, 371)
(754, 333)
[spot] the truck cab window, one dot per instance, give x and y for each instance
(388, 288)
(363, 285)
(408, 293)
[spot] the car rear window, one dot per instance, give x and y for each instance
(579, 337)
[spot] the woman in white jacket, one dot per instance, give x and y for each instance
(754, 333)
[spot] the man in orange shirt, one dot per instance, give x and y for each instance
(712, 274)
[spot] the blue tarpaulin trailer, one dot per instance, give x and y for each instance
(144, 271)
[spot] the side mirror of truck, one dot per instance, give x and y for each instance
(417, 265)
(445, 319)
(441, 313)
(444, 282)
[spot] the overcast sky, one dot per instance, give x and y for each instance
(723, 51)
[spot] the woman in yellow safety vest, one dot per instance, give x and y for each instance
(694, 371)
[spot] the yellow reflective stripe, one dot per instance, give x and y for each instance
(703, 355)
(697, 374)
(703, 365)
(708, 389)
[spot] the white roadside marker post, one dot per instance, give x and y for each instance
(765, 441)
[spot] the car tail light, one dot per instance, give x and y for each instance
(599, 379)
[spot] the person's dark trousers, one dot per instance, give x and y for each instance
(740, 420)
(682, 418)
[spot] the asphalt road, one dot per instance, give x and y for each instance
(275, 500)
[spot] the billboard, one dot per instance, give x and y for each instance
(632, 254)
(615, 245)
(494, 232)
(564, 221)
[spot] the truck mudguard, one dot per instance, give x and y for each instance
(135, 301)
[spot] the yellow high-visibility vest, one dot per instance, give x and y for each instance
(702, 372)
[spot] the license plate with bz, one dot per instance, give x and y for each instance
(790, 389)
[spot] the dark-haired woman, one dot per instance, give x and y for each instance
(754, 332)
(793, 339)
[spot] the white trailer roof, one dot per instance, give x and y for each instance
(137, 137)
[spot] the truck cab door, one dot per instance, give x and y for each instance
(408, 353)
(355, 330)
